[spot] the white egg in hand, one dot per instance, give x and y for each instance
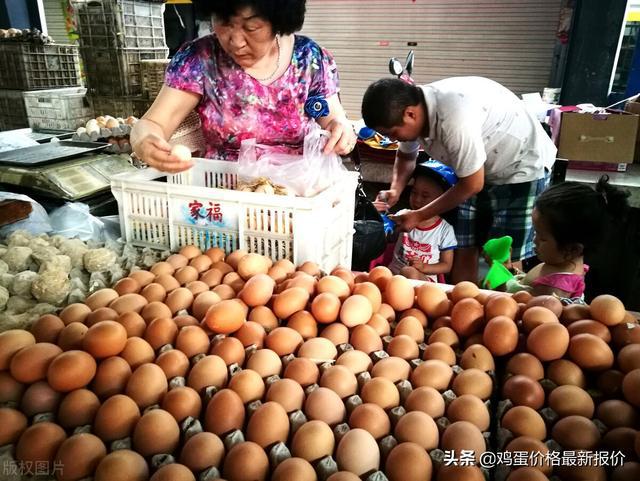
(181, 152)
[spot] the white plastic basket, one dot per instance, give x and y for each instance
(197, 207)
(66, 108)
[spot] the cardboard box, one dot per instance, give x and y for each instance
(633, 106)
(609, 137)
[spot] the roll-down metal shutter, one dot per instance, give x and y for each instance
(54, 17)
(510, 41)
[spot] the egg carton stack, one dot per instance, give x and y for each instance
(114, 131)
(210, 366)
(116, 36)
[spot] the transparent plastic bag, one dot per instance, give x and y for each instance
(305, 175)
(37, 222)
(73, 219)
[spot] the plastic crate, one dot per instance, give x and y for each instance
(57, 109)
(27, 66)
(157, 210)
(13, 114)
(116, 72)
(152, 74)
(119, 106)
(120, 23)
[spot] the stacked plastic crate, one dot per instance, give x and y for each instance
(30, 65)
(116, 36)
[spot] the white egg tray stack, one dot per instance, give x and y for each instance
(200, 207)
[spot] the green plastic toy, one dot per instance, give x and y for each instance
(498, 251)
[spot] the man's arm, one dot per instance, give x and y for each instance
(403, 167)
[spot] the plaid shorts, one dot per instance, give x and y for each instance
(499, 210)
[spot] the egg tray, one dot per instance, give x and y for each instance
(120, 131)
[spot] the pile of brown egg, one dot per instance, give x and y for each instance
(234, 367)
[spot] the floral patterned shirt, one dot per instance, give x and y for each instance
(235, 106)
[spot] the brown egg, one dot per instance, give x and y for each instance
(608, 310)
(410, 326)
(610, 382)
(325, 307)
(417, 427)
(371, 292)
(500, 335)
(304, 323)
(523, 391)
(473, 381)
(527, 365)
(258, 290)
(248, 385)
(527, 474)
(143, 277)
(39, 444)
(631, 387)
(173, 472)
(10, 389)
(236, 467)
(380, 325)
(446, 335)
(123, 463)
(524, 421)
(47, 328)
(433, 373)
(157, 432)
(268, 425)
(294, 468)
(233, 280)
(201, 263)
(265, 317)
(337, 333)
(160, 332)
(629, 358)
(325, 405)
(128, 302)
(626, 333)
(477, 356)
(615, 413)
(30, 363)
(548, 341)
(576, 432)
(147, 385)
(12, 341)
(550, 302)
(382, 392)
(287, 393)
(202, 451)
(455, 473)
(427, 400)
(334, 285)
(358, 452)
(535, 316)
(13, 425)
(251, 334)
(571, 400)
(101, 298)
(192, 340)
(312, 441)
(212, 277)
(318, 349)
(71, 370)
(173, 363)
(78, 408)
(182, 402)
(202, 302)
(137, 351)
(216, 254)
(225, 412)
(537, 452)
(223, 267)
(463, 435)
(179, 299)
(75, 313)
(563, 372)
(71, 336)
(469, 408)
(78, 456)
(289, 302)
(432, 300)
(355, 310)
(395, 369)
(132, 322)
(629, 471)
(155, 310)
(230, 350)
(302, 280)
(417, 313)
(399, 293)
(253, 264)
(177, 260)
(283, 340)
(211, 370)
(364, 338)
(127, 285)
(355, 361)
(590, 352)
(111, 377)
(278, 274)
(168, 282)
(387, 312)
(404, 347)
(588, 326)
(371, 418)
(162, 268)
(463, 290)
(105, 339)
(575, 312)
(501, 306)
(40, 398)
(101, 314)
(265, 362)
(467, 316)
(116, 418)
(303, 371)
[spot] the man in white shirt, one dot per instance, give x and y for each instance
(498, 150)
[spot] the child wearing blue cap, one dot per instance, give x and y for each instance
(426, 251)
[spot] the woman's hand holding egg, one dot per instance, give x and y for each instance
(342, 139)
(156, 152)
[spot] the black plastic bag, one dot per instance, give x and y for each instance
(369, 238)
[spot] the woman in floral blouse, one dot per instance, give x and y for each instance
(252, 78)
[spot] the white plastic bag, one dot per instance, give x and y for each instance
(305, 175)
(73, 219)
(37, 222)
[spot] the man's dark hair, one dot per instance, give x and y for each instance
(384, 102)
(285, 16)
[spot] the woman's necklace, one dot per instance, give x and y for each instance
(266, 79)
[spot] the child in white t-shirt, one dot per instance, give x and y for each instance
(427, 250)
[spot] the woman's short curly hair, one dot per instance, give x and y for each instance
(285, 16)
